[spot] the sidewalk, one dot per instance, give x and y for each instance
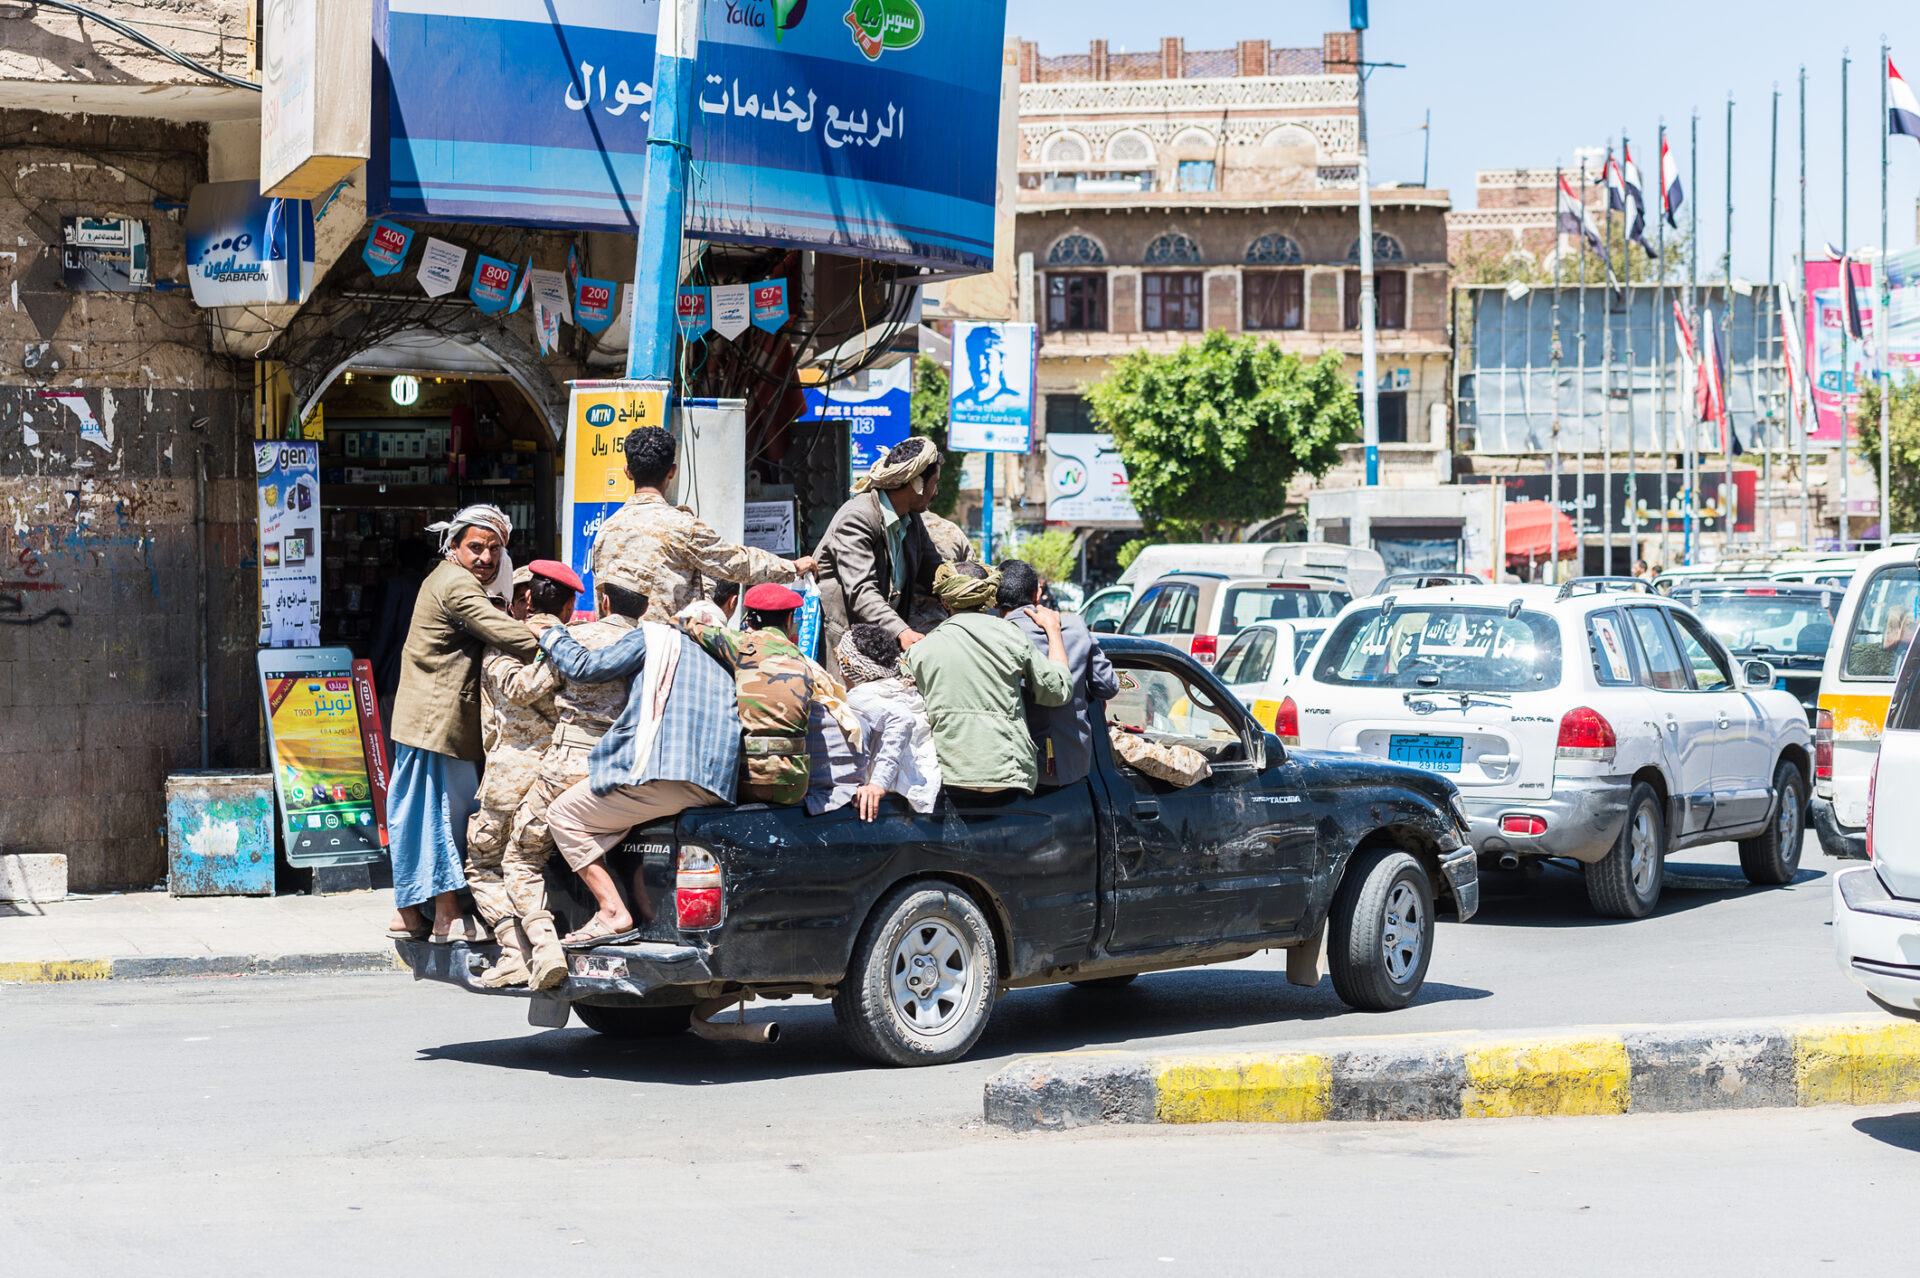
(150, 934)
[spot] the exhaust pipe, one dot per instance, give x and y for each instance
(1509, 861)
(734, 1032)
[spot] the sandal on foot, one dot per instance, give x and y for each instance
(409, 933)
(599, 932)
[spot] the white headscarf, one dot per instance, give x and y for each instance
(494, 520)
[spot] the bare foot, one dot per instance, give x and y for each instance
(407, 919)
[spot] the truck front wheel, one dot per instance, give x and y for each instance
(922, 979)
(1380, 931)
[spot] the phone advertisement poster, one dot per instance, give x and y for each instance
(600, 416)
(319, 756)
(289, 523)
(1836, 359)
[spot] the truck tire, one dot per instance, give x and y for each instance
(1625, 883)
(634, 1022)
(922, 978)
(1380, 931)
(1773, 858)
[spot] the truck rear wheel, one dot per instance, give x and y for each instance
(1625, 883)
(1773, 858)
(1380, 931)
(634, 1022)
(921, 981)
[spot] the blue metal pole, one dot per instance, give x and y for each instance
(986, 512)
(656, 258)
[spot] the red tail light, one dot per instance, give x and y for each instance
(697, 897)
(1585, 734)
(1873, 781)
(1518, 824)
(1823, 746)
(1204, 648)
(1286, 722)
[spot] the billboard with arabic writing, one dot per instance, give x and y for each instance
(863, 126)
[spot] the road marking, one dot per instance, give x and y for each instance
(1568, 1077)
(1244, 1089)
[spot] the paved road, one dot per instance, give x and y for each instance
(304, 1124)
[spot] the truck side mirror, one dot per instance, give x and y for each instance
(1757, 676)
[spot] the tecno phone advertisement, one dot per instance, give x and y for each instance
(319, 758)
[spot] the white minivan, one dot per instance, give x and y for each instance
(1595, 722)
(1876, 907)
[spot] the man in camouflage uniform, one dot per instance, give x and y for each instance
(585, 712)
(663, 548)
(516, 725)
(775, 687)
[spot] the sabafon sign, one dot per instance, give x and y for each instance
(316, 71)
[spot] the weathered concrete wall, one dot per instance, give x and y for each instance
(100, 547)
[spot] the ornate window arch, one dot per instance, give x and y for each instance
(1193, 136)
(1290, 135)
(1066, 148)
(1173, 249)
(1273, 250)
(1385, 249)
(1075, 249)
(1130, 146)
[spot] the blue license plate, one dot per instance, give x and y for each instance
(1434, 754)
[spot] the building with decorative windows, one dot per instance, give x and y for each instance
(1166, 193)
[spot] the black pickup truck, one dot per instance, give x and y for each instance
(914, 924)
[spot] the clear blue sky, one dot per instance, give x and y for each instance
(1514, 84)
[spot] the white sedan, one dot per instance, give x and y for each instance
(1263, 659)
(1590, 722)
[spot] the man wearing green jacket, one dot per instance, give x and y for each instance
(971, 670)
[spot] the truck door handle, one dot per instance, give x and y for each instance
(1147, 809)
(1724, 721)
(1672, 726)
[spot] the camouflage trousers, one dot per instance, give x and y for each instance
(487, 832)
(529, 843)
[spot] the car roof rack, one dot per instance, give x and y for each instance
(1421, 580)
(1603, 585)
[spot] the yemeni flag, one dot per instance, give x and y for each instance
(1636, 203)
(1616, 186)
(1903, 112)
(1672, 196)
(1856, 317)
(1711, 395)
(1573, 220)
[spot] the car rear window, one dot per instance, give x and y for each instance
(1248, 659)
(1444, 646)
(1163, 610)
(1248, 604)
(1784, 625)
(1884, 625)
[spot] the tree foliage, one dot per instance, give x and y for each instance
(1052, 554)
(1903, 453)
(1212, 433)
(930, 395)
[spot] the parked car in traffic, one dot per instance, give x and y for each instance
(1596, 721)
(1263, 659)
(1876, 907)
(1351, 568)
(1787, 626)
(1872, 631)
(915, 924)
(1201, 612)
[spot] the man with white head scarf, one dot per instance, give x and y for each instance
(436, 721)
(876, 553)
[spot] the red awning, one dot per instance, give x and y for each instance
(1530, 534)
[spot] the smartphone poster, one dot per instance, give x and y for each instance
(288, 476)
(319, 756)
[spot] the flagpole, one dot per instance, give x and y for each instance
(1580, 392)
(1882, 322)
(1846, 357)
(1773, 306)
(1606, 377)
(1691, 453)
(1807, 414)
(1626, 333)
(1729, 502)
(1660, 359)
(1553, 355)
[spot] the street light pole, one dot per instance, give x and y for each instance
(656, 258)
(1369, 387)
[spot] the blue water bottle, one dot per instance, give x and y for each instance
(809, 617)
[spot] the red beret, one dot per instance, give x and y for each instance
(771, 597)
(554, 570)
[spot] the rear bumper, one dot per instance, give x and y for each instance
(614, 975)
(1583, 816)
(1876, 938)
(1837, 840)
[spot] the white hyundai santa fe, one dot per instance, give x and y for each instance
(1594, 721)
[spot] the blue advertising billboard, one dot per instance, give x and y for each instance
(877, 418)
(866, 127)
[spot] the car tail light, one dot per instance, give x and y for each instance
(1823, 746)
(1286, 722)
(1873, 780)
(697, 898)
(1518, 824)
(1204, 647)
(1585, 734)
(1762, 590)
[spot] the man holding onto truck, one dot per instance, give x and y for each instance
(774, 684)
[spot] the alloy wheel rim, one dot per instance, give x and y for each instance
(1789, 823)
(1645, 855)
(931, 977)
(1403, 932)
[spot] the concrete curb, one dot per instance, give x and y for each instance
(60, 971)
(1657, 1069)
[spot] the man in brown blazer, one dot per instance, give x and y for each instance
(876, 552)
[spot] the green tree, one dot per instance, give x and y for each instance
(1903, 454)
(1212, 433)
(1052, 554)
(930, 396)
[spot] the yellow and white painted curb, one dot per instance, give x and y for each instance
(1614, 1070)
(62, 971)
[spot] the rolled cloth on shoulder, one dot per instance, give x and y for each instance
(961, 593)
(900, 474)
(495, 521)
